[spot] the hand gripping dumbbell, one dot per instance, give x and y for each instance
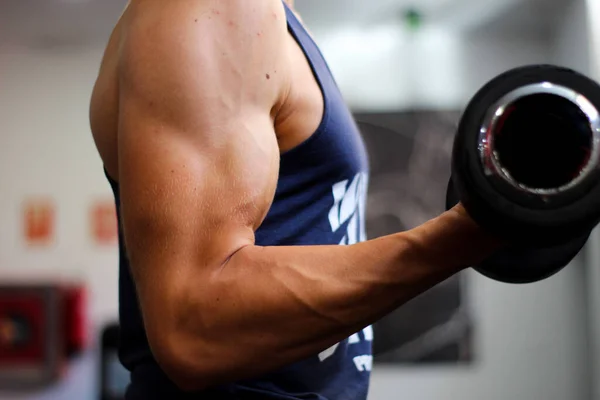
(526, 167)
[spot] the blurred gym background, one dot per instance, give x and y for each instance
(407, 68)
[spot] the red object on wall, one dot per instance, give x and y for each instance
(75, 319)
(39, 221)
(104, 223)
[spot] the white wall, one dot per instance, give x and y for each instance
(46, 149)
(389, 68)
(572, 47)
(593, 250)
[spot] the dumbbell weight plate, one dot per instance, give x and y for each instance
(526, 217)
(527, 265)
(521, 264)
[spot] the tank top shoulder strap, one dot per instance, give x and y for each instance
(311, 51)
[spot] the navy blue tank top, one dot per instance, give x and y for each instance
(320, 199)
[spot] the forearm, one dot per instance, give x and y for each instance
(270, 306)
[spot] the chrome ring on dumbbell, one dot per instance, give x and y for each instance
(491, 161)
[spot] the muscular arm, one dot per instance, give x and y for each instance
(198, 166)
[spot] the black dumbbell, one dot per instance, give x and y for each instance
(526, 167)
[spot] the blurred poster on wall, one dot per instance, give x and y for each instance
(410, 156)
(31, 346)
(39, 220)
(103, 222)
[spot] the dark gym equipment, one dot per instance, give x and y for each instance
(526, 167)
(114, 378)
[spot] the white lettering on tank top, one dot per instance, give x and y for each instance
(349, 203)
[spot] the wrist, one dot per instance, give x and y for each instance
(453, 241)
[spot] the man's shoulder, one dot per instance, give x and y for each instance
(230, 28)
(238, 13)
(195, 51)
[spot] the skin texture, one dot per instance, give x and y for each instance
(194, 102)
